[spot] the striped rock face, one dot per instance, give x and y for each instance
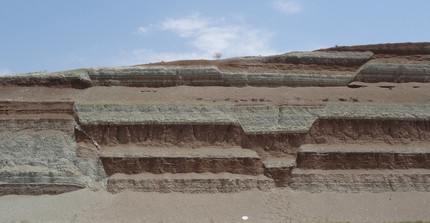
(344, 119)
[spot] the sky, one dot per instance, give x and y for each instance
(54, 35)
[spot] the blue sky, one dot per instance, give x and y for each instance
(57, 35)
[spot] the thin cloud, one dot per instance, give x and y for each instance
(142, 30)
(206, 36)
(185, 27)
(211, 35)
(288, 7)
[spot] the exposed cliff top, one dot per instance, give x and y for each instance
(422, 48)
(338, 66)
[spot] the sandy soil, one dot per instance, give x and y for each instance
(280, 205)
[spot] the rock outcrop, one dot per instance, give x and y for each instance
(223, 126)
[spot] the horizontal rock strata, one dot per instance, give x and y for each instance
(179, 160)
(364, 156)
(374, 181)
(253, 119)
(386, 71)
(189, 183)
(292, 120)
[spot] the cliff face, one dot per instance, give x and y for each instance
(362, 112)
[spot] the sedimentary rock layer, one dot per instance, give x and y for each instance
(72, 78)
(271, 131)
(360, 180)
(223, 126)
(162, 76)
(179, 160)
(389, 48)
(338, 131)
(189, 183)
(392, 71)
(36, 108)
(320, 57)
(38, 149)
(173, 76)
(359, 156)
(252, 119)
(37, 189)
(163, 135)
(307, 69)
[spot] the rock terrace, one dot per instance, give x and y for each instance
(343, 119)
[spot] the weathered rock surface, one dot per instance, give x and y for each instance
(361, 156)
(178, 160)
(390, 71)
(38, 152)
(189, 183)
(362, 180)
(252, 119)
(71, 78)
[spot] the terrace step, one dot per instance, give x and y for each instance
(279, 169)
(37, 189)
(357, 156)
(360, 180)
(188, 183)
(134, 160)
(36, 180)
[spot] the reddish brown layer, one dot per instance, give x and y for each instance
(163, 135)
(58, 83)
(249, 166)
(16, 107)
(323, 131)
(389, 48)
(338, 131)
(401, 58)
(368, 160)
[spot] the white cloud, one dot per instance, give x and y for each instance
(211, 35)
(206, 36)
(143, 30)
(287, 6)
(4, 71)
